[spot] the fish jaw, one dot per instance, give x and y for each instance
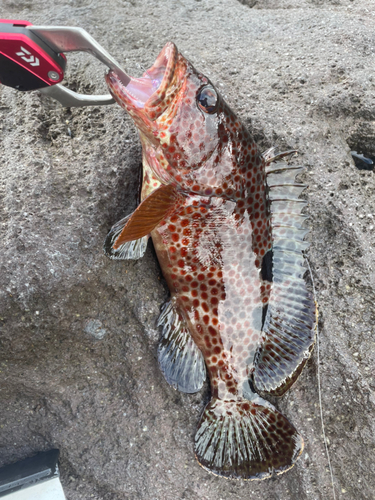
(147, 98)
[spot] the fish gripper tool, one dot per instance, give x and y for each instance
(33, 58)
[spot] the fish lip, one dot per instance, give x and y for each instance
(147, 91)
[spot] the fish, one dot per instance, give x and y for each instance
(228, 230)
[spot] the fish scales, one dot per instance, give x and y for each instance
(228, 232)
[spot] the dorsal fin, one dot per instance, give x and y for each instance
(149, 214)
(289, 326)
(270, 155)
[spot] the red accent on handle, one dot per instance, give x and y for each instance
(26, 53)
(16, 23)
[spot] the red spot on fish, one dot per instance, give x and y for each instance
(212, 330)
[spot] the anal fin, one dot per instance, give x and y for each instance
(180, 360)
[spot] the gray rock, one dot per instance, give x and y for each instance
(301, 75)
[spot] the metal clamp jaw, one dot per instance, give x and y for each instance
(32, 57)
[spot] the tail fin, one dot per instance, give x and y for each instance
(246, 440)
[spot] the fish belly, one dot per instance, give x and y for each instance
(206, 256)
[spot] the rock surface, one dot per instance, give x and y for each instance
(78, 337)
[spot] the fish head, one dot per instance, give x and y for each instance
(191, 137)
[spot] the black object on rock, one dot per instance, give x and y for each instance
(29, 472)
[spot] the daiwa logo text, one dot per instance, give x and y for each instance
(33, 61)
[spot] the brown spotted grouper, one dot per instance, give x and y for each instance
(228, 231)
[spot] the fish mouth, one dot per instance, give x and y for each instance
(148, 91)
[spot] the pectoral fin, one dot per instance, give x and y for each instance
(130, 250)
(148, 215)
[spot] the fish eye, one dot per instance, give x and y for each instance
(207, 99)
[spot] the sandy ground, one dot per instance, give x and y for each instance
(78, 338)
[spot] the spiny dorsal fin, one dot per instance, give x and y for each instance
(289, 326)
(149, 214)
(282, 170)
(270, 155)
(180, 360)
(130, 250)
(288, 192)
